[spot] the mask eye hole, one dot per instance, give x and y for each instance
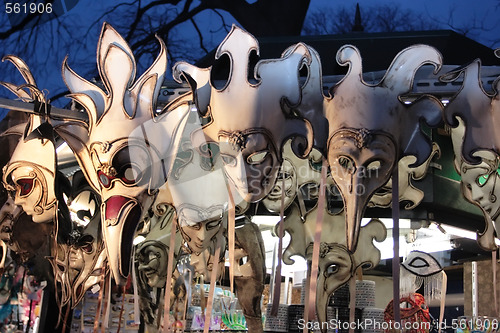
(130, 174)
(103, 179)
(228, 160)
(25, 186)
(257, 157)
(481, 180)
(374, 165)
(346, 163)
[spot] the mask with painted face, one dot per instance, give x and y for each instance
(30, 174)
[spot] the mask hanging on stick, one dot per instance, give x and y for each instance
(370, 129)
(127, 149)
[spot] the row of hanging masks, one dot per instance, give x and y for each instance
(63, 211)
(127, 148)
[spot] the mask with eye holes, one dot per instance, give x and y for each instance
(126, 150)
(370, 128)
(336, 263)
(480, 185)
(30, 174)
(472, 115)
(252, 116)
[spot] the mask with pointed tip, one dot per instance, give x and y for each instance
(370, 128)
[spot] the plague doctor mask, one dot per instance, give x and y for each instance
(126, 149)
(251, 116)
(370, 128)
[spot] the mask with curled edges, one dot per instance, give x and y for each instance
(152, 254)
(479, 185)
(125, 150)
(370, 129)
(472, 115)
(251, 116)
(199, 193)
(296, 172)
(336, 263)
(408, 193)
(30, 173)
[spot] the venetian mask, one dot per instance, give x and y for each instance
(479, 185)
(370, 129)
(152, 254)
(251, 115)
(295, 172)
(126, 149)
(80, 263)
(472, 114)
(30, 174)
(408, 192)
(337, 264)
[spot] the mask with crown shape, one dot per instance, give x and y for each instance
(126, 149)
(251, 116)
(370, 129)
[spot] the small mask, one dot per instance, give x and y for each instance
(199, 193)
(152, 254)
(370, 129)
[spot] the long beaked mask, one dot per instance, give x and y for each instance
(126, 149)
(370, 128)
(337, 264)
(251, 116)
(199, 193)
(30, 173)
(472, 116)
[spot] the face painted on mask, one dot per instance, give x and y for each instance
(199, 227)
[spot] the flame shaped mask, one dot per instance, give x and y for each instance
(126, 149)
